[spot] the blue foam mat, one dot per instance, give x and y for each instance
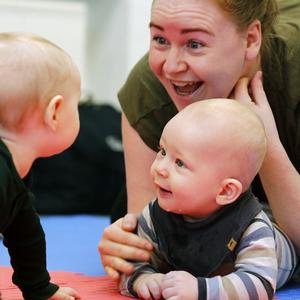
(288, 293)
(71, 243)
(72, 246)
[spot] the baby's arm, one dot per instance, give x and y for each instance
(145, 280)
(255, 269)
(25, 241)
(254, 275)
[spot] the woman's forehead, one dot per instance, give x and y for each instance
(189, 11)
(181, 5)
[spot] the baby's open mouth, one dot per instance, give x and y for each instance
(186, 88)
(164, 190)
(164, 193)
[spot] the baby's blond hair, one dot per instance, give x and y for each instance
(32, 71)
(234, 136)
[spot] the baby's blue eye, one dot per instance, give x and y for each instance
(179, 163)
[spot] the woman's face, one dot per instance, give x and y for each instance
(196, 51)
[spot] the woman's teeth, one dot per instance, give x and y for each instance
(186, 88)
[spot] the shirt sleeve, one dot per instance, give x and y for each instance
(26, 244)
(255, 269)
(146, 103)
(146, 231)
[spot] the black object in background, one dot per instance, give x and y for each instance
(87, 177)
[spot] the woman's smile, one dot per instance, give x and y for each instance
(186, 88)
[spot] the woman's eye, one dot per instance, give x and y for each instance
(193, 44)
(160, 40)
(179, 163)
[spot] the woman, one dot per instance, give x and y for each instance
(205, 49)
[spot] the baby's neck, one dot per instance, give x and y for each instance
(22, 154)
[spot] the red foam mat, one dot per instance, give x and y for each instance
(89, 287)
(100, 287)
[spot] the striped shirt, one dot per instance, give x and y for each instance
(264, 260)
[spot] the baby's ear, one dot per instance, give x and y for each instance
(230, 190)
(51, 112)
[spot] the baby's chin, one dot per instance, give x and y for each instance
(163, 205)
(168, 208)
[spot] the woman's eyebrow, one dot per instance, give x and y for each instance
(188, 30)
(151, 24)
(183, 31)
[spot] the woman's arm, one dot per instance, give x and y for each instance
(281, 182)
(138, 160)
(118, 242)
(280, 179)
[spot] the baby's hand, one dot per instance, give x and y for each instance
(179, 285)
(147, 286)
(65, 293)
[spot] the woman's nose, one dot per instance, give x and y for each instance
(174, 61)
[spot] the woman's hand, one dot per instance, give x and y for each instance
(258, 102)
(119, 243)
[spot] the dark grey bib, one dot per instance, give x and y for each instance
(200, 248)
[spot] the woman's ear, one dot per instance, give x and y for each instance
(230, 190)
(51, 113)
(254, 39)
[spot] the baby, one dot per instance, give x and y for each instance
(39, 96)
(210, 235)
